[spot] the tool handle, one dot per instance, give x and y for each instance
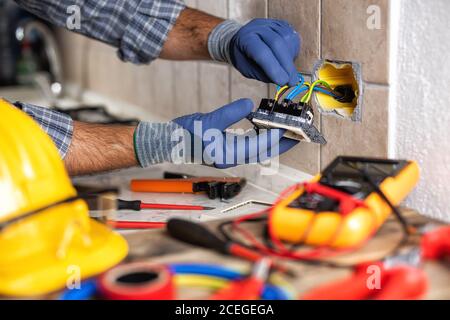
(245, 289)
(166, 206)
(195, 234)
(136, 224)
(129, 205)
(436, 244)
(162, 185)
(353, 287)
(403, 283)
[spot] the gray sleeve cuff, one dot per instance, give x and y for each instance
(219, 40)
(155, 142)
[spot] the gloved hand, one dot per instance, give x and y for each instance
(225, 150)
(263, 49)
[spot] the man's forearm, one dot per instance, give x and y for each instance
(97, 147)
(188, 39)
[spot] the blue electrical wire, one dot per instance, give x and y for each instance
(297, 87)
(296, 92)
(301, 82)
(86, 291)
(325, 91)
(206, 269)
(270, 292)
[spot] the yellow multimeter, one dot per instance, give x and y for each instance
(342, 206)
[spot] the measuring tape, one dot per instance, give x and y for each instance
(137, 281)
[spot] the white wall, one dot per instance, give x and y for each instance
(420, 101)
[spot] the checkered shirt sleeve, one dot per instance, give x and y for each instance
(58, 126)
(138, 28)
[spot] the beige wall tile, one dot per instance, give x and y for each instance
(242, 87)
(304, 16)
(144, 92)
(191, 3)
(214, 86)
(345, 36)
(368, 138)
(214, 7)
(245, 10)
(187, 87)
(126, 84)
(214, 77)
(162, 88)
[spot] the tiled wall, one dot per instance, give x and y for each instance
(334, 29)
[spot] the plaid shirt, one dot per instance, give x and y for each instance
(58, 126)
(138, 28)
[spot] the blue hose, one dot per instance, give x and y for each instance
(270, 292)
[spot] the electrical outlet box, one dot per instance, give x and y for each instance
(337, 90)
(341, 75)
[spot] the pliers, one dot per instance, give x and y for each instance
(394, 278)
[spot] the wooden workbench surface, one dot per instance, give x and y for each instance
(158, 247)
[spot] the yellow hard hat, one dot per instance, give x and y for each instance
(47, 239)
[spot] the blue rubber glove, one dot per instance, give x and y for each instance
(238, 146)
(263, 49)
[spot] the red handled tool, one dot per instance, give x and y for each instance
(197, 235)
(123, 224)
(249, 288)
(396, 283)
(400, 277)
(435, 244)
(138, 205)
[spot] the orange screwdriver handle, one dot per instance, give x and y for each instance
(163, 185)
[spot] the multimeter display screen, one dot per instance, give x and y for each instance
(349, 175)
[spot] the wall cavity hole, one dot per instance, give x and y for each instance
(344, 77)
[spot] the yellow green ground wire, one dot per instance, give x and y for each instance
(216, 283)
(307, 97)
(281, 90)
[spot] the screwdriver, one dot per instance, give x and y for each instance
(123, 224)
(198, 235)
(138, 205)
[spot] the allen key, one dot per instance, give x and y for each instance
(236, 206)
